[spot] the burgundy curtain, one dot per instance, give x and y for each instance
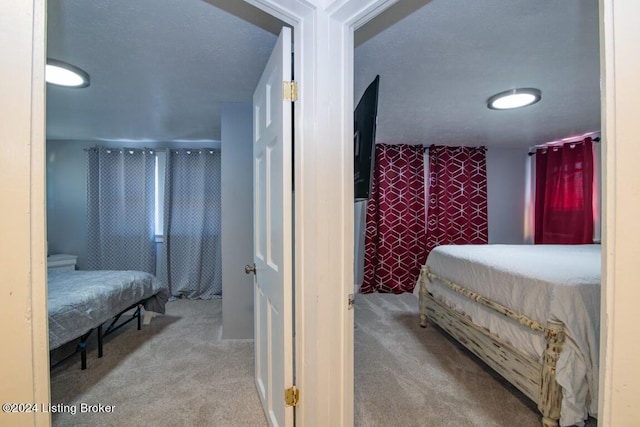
(564, 192)
(457, 212)
(395, 232)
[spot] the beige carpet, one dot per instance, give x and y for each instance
(411, 376)
(178, 372)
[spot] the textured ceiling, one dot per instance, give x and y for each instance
(440, 64)
(160, 70)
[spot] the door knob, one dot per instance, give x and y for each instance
(248, 269)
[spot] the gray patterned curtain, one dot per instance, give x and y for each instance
(191, 262)
(120, 209)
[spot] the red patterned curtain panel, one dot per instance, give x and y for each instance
(395, 236)
(564, 194)
(457, 212)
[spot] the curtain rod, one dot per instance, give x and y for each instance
(596, 139)
(425, 148)
(161, 150)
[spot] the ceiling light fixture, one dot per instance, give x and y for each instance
(62, 74)
(514, 98)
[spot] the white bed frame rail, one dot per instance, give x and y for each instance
(534, 379)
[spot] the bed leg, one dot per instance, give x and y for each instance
(83, 358)
(550, 391)
(82, 348)
(100, 341)
(139, 319)
(424, 276)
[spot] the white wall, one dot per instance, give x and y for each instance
(237, 220)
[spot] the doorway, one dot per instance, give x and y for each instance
(156, 124)
(410, 61)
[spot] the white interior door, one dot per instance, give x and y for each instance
(272, 233)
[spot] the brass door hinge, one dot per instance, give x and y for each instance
(290, 91)
(291, 396)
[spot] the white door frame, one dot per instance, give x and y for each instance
(324, 238)
(323, 132)
(619, 384)
(24, 360)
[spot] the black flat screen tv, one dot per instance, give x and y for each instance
(364, 139)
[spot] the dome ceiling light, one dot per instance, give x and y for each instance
(62, 74)
(514, 98)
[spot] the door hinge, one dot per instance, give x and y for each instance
(350, 300)
(291, 396)
(290, 91)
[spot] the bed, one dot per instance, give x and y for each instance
(80, 302)
(531, 312)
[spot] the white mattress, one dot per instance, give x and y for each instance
(560, 282)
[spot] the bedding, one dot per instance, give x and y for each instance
(80, 300)
(542, 282)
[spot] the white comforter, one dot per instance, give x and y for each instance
(560, 282)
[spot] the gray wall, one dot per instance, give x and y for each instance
(359, 223)
(237, 220)
(506, 184)
(67, 194)
(67, 199)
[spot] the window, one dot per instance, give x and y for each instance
(161, 157)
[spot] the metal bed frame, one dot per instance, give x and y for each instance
(81, 347)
